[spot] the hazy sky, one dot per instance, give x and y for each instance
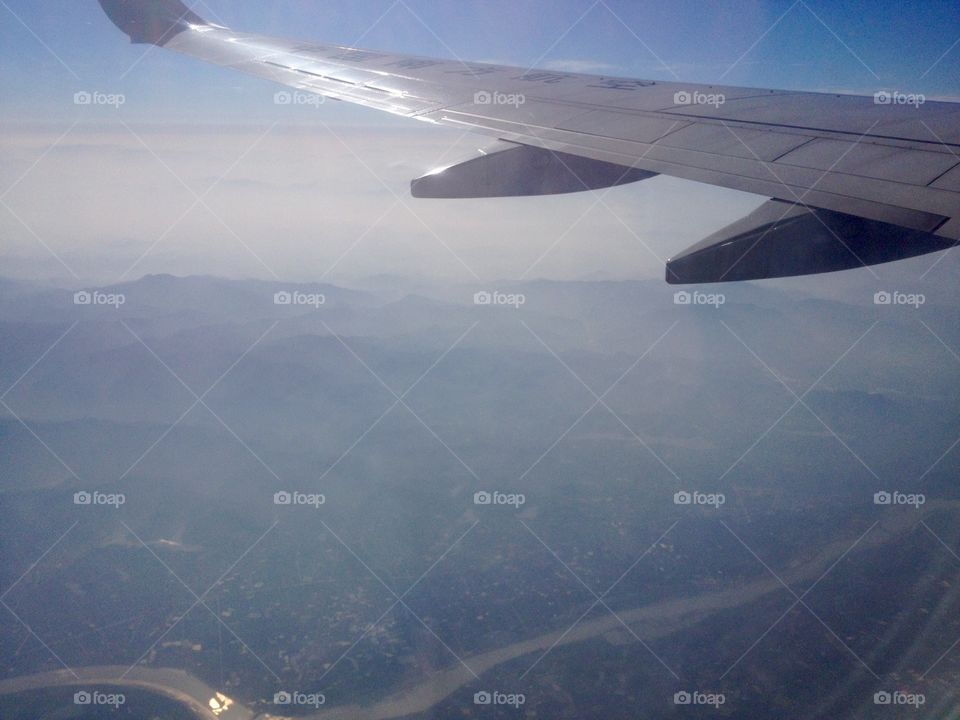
(94, 195)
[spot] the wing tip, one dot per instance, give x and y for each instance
(152, 22)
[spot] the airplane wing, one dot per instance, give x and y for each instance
(851, 180)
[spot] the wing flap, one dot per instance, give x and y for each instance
(883, 162)
(950, 180)
(854, 116)
(742, 143)
(623, 126)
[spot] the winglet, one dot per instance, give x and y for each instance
(151, 21)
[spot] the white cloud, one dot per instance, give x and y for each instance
(302, 200)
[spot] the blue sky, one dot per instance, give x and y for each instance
(853, 46)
